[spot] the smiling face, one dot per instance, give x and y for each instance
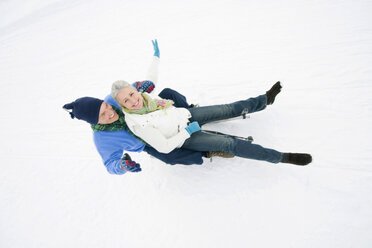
(107, 114)
(129, 98)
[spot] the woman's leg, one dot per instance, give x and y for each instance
(201, 141)
(220, 112)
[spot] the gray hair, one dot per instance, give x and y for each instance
(117, 86)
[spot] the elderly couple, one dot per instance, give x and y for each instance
(167, 127)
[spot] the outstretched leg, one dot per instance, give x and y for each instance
(201, 141)
(207, 114)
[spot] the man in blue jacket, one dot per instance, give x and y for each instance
(112, 136)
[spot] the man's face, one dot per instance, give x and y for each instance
(130, 98)
(107, 114)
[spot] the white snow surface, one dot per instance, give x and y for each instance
(55, 190)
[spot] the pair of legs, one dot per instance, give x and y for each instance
(202, 141)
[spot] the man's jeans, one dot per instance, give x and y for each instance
(178, 99)
(202, 141)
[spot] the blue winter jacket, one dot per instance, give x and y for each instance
(111, 144)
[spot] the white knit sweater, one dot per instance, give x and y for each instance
(164, 130)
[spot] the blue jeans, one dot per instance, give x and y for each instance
(202, 141)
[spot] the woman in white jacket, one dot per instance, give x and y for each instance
(165, 127)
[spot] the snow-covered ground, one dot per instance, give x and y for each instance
(54, 189)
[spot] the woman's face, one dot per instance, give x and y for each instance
(129, 98)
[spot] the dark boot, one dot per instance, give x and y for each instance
(271, 94)
(297, 158)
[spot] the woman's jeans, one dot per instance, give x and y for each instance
(202, 141)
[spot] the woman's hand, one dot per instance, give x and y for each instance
(193, 127)
(156, 48)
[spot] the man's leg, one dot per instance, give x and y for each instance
(178, 99)
(225, 111)
(177, 156)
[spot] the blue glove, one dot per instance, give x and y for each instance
(156, 48)
(193, 127)
(144, 86)
(127, 164)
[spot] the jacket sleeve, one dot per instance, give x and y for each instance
(113, 164)
(157, 140)
(111, 155)
(153, 71)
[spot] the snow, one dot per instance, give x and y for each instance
(54, 189)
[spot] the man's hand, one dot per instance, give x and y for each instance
(156, 48)
(144, 86)
(127, 164)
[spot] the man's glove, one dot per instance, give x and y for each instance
(156, 48)
(127, 164)
(193, 127)
(144, 86)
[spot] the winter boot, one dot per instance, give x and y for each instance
(271, 94)
(297, 158)
(212, 154)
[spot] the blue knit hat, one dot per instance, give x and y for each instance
(85, 108)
